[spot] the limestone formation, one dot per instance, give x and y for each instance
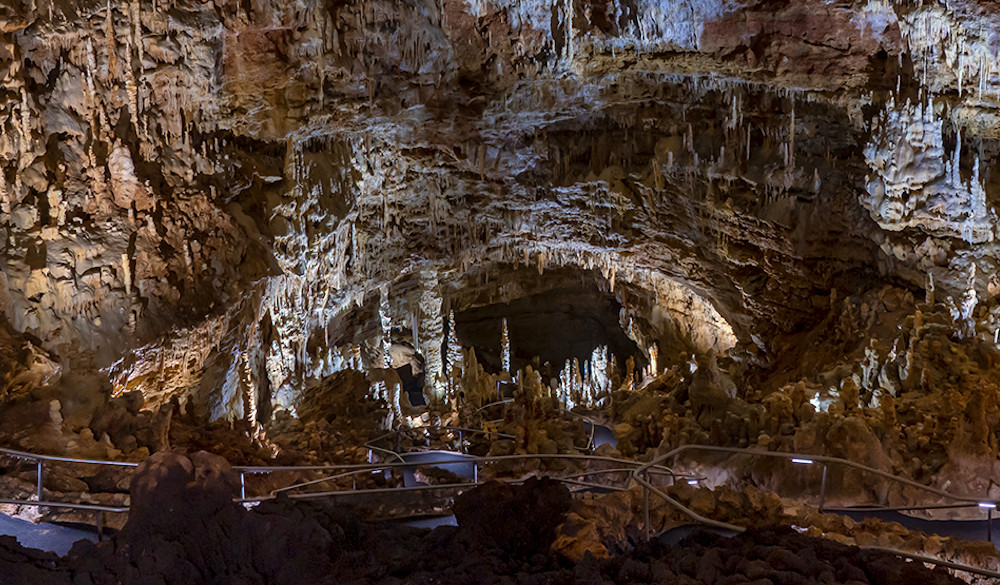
(276, 230)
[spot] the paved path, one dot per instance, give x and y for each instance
(461, 469)
(431, 522)
(965, 529)
(602, 435)
(43, 536)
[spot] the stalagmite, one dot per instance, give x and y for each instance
(432, 330)
(126, 274)
(504, 347)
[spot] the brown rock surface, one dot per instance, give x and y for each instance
(274, 230)
(197, 195)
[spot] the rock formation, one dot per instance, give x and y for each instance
(274, 229)
(223, 202)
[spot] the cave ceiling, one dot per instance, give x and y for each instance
(201, 197)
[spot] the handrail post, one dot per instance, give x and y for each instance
(100, 525)
(38, 489)
(243, 485)
(475, 471)
(989, 525)
(822, 489)
(645, 506)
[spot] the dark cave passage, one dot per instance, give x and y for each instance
(551, 327)
(410, 366)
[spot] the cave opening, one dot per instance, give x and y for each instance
(546, 329)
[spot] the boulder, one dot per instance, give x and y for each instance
(520, 520)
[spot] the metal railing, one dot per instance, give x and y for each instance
(339, 472)
(491, 405)
(477, 463)
(99, 510)
(41, 459)
(461, 431)
(586, 419)
(345, 470)
(372, 448)
(640, 474)
(593, 428)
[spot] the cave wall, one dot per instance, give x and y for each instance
(211, 198)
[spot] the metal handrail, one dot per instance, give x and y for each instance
(36, 457)
(874, 508)
(316, 481)
(419, 488)
(593, 432)
(445, 428)
(477, 461)
(388, 452)
(495, 403)
(589, 484)
(347, 470)
(636, 473)
(936, 561)
(593, 427)
(41, 459)
(640, 475)
(68, 505)
(620, 470)
(461, 431)
(809, 459)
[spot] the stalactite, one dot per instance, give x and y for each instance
(569, 31)
(112, 45)
(26, 145)
(384, 319)
(790, 158)
(131, 86)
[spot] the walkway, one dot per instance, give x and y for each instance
(971, 530)
(823, 462)
(43, 536)
(460, 464)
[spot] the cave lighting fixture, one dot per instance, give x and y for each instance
(803, 461)
(989, 505)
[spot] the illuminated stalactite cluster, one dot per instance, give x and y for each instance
(916, 184)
